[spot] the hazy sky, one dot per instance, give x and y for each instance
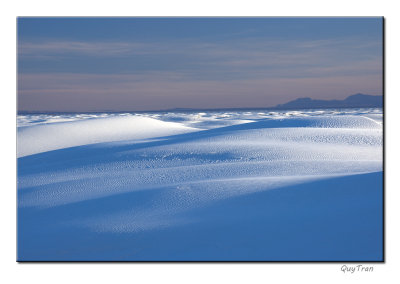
(120, 64)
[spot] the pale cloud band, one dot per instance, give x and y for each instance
(66, 92)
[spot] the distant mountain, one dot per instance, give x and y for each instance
(353, 101)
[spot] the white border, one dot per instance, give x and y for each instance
(192, 273)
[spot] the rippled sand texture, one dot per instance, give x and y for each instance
(245, 185)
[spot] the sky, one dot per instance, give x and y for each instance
(139, 64)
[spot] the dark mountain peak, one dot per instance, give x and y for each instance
(359, 97)
(353, 101)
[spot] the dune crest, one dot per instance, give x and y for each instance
(47, 137)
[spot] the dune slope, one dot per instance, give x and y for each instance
(294, 188)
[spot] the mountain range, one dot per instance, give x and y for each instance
(353, 101)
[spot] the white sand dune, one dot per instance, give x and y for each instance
(169, 198)
(48, 137)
